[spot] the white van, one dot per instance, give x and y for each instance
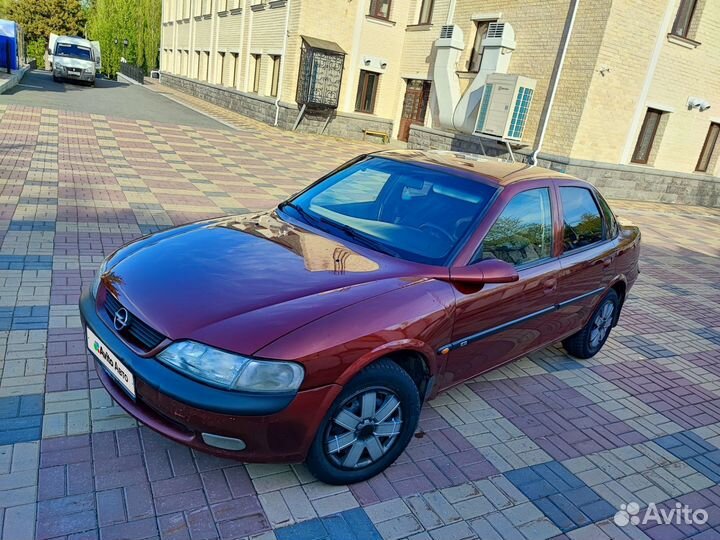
(74, 60)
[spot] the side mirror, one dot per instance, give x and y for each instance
(490, 271)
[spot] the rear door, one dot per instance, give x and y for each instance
(587, 262)
(499, 322)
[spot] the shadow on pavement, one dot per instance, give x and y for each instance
(42, 81)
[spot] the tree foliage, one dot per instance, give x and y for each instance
(111, 22)
(4, 6)
(38, 18)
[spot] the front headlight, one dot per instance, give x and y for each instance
(96, 279)
(232, 371)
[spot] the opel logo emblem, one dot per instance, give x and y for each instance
(120, 320)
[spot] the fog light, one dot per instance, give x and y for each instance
(226, 443)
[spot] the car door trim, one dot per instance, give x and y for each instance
(505, 326)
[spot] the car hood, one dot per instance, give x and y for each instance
(239, 283)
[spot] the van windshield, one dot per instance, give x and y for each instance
(70, 50)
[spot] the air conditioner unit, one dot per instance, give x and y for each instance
(505, 105)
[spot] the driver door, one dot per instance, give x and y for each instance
(500, 322)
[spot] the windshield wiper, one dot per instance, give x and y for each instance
(361, 238)
(349, 231)
(300, 210)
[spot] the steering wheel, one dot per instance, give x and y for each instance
(437, 232)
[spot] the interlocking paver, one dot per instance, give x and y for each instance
(565, 499)
(20, 418)
(555, 416)
(639, 421)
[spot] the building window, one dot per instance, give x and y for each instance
(426, 10)
(367, 88)
(222, 5)
(708, 148)
(380, 9)
(481, 30)
(257, 60)
(221, 57)
(646, 138)
(683, 19)
(275, 76)
(236, 68)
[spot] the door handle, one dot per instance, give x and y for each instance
(550, 285)
(607, 262)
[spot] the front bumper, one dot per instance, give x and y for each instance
(273, 428)
(84, 76)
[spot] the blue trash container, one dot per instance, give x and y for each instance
(9, 46)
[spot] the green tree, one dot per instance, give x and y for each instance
(4, 6)
(111, 22)
(38, 18)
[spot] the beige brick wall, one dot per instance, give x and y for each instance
(612, 96)
(599, 91)
(683, 72)
(229, 33)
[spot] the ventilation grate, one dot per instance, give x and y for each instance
(446, 32)
(495, 30)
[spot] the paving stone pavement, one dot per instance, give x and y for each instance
(545, 447)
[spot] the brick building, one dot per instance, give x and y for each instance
(626, 93)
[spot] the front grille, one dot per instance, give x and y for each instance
(136, 332)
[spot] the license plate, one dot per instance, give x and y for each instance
(112, 364)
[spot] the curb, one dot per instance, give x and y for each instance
(126, 80)
(194, 109)
(14, 79)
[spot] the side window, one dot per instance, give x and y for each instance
(523, 232)
(583, 224)
(610, 221)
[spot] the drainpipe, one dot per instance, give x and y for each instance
(451, 12)
(569, 23)
(282, 64)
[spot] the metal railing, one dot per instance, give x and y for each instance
(134, 72)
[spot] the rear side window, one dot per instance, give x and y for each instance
(523, 232)
(582, 220)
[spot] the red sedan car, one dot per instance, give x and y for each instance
(316, 331)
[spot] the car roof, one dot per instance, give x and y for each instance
(73, 41)
(490, 169)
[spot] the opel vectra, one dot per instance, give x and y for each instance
(316, 331)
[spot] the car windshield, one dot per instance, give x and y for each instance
(411, 211)
(73, 51)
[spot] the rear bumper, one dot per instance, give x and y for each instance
(273, 430)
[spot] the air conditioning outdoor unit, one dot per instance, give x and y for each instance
(505, 105)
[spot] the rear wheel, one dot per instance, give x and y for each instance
(368, 426)
(588, 341)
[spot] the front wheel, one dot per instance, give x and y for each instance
(367, 427)
(588, 341)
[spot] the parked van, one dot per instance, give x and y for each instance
(74, 60)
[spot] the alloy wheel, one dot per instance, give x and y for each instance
(601, 324)
(364, 428)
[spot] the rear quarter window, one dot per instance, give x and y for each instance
(610, 221)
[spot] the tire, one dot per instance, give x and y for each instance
(587, 342)
(356, 435)
(55, 79)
